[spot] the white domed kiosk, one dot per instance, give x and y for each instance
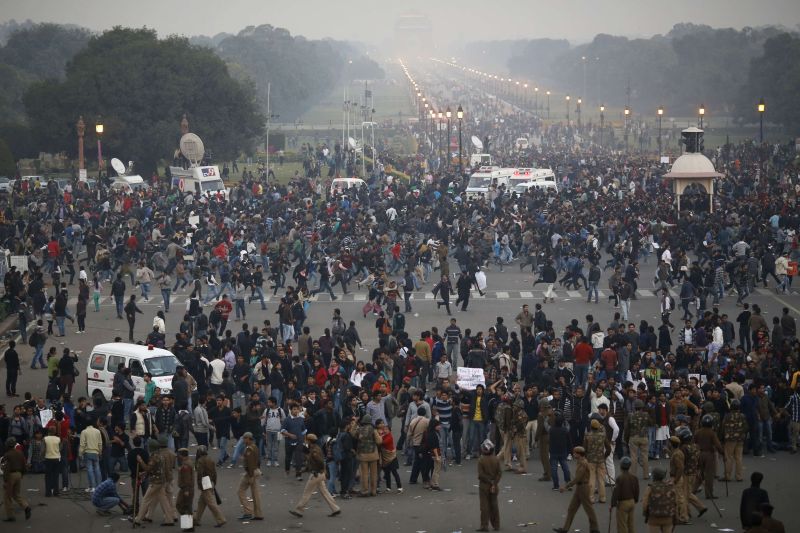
(693, 168)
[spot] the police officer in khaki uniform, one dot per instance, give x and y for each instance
(13, 470)
(205, 469)
(691, 457)
(635, 434)
(709, 445)
(155, 489)
(250, 481)
(659, 504)
(597, 449)
(542, 437)
(185, 496)
(625, 496)
(315, 464)
(581, 496)
(489, 474)
(734, 431)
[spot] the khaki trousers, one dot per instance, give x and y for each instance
(685, 493)
(490, 512)
(530, 432)
(521, 443)
(250, 483)
(207, 499)
(597, 475)
(369, 477)
(505, 454)
(12, 491)
(155, 494)
(580, 498)
(437, 471)
(544, 456)
(639, 450)
(733, 455)
(316, 483)
(625, 510)
(708, 465)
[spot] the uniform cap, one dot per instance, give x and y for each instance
(310, 437)
(247, 435)
(487, 446)
(596, 424)
(625, 463)
(659, 474)
(638, 404)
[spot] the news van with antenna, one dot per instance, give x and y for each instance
(479, 159)
(198, 179)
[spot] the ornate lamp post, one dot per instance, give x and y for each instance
(762, 107)
(99, 129)
(602, 119)
(567, 100)
(627, 114)
(660, 113)
(448, 114)
(580, 100)
(548, 105)
(702, 113)
(81, 129)
(460, 116)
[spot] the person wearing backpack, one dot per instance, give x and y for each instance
(367, 442)
(338, 326)
(659, 504)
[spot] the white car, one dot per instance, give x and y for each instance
(6, 184)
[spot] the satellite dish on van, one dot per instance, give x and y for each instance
(352, 143)
(476, 142)
(192, 148)
(118, 166)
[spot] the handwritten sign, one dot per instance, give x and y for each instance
(45, 415)
(666, 383)
(19, 261)
(470, 378)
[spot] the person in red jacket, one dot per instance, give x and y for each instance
(583, 353)
(610, 361)
(224, 308)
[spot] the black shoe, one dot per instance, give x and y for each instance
(295, 513)
(701, 512)
(246, 517)
(27, 513)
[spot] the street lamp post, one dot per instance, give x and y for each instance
(98, 129)
(627, 114)
(525, 95)
(602, 119)
(702, 113)
(536, 95)
(81, 128)
(460, 116)
(439, 127)
(660, 113)
(580, 100)
(448, 114)
(548, 105)
(762, 107)
(567, 100)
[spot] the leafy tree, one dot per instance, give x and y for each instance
(775, 76)
(7, 165)
(140, 86)
(43, 50)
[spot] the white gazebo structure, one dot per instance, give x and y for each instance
(693, 168)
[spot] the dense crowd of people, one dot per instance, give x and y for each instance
(277, 393)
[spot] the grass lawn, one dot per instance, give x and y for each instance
(390, 101)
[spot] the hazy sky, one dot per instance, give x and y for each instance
(373, 20)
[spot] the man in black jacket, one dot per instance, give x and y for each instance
(752, 498)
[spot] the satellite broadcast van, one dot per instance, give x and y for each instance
(125, 181)
(197, 180)
(479, 159)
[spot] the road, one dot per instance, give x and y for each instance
(523, 499)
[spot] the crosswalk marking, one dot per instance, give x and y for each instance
(574, 294)
(601, 294)
(359, 297)
(502, 295)
(762, 290)
(526, 294)
(429, 296)
(645, 292)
